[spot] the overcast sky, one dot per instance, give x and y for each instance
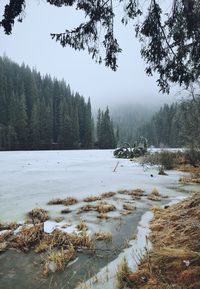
(31, 43)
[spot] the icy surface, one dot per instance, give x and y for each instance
(106, 278)
(31, 178)
(50, 226)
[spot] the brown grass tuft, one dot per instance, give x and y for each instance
(129, 207)
(102, 216)
(108, 195)
(38, 215)
(103, 236)
(56, 260)
(122, 274)
(92, 199)
(67, 201)
(105, 208)
(86, 208)
(82, 226)
(155, 195)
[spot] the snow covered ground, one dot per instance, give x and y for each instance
(30, 179)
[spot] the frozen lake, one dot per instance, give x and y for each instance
(30, 179)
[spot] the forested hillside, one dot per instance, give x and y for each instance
(40, 112)
(175, 125)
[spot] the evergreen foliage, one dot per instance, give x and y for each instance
(169, 34)
(105, 133)
(176, 125)
(40, 112)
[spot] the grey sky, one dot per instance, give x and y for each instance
(31, 43)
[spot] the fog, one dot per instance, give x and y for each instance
(31, 43)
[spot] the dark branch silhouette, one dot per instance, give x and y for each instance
(170, 41)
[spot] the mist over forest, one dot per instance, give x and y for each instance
(38, 112)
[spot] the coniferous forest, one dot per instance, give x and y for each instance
(43, 113)
(175, 125)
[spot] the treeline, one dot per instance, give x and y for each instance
(176, 125)
(42, 113)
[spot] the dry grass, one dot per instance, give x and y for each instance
(8, 226)
(107, 195)
(34, 237)
(129, 207)
(189, 169)
(82, 241)
(103, 236)
(122, 274)
(56, 260)
(57, 201)
(82, 226)
(126, 213)
(87, 208)
(27, 238)
(38, 215)
(135, 193)
(67, 201)
(3, 246)
(123, 191)
(161, 172)
(194, 178)
(155, 195)
(174, 261)
(58, 219)
(103, 208)
(70, 201)
(92, 199)
(102, 216)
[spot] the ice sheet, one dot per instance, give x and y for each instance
(31, 178)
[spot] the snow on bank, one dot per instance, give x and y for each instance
(106, 278)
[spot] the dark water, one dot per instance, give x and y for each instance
(23, 271)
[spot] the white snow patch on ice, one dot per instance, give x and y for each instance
(50, 226)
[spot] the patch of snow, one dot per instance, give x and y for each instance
(4, 232)
(16, 231)
(50, 226)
